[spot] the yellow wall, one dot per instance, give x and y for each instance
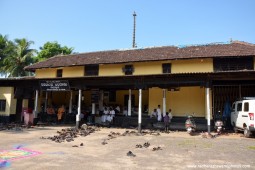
(254, 63)
(140, 68)
(77, 71)
(145, 68)
(155, 98)
(121, 93)
(25, 103)
(193, 65)
(185, 101)
(7, 93)
(45, 73)
(110, 70)
(59, 98)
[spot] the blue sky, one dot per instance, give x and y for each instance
(97, 25)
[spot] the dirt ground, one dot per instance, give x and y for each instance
(174, 150)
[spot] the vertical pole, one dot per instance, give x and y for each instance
(46, 102)
(164, 102)
(93, 108)
(129, 103)
(79, 110)
(207, 92)
(140, 111)
(134, 15)
(36, 103)
(93, 113)
(70, 102)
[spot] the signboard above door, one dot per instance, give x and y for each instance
(54, 85)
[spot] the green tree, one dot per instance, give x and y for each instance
(6, 49)
(51, 49)
(21, 56)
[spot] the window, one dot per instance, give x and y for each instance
(246, 107)
(231, 63)
(166, 68)
(2, 105)
(239, 107)
(128, 69)
(59, 72)
(91, 70)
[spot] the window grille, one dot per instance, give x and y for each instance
(91, 70)
(231, 63)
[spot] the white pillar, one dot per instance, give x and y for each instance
(70, 102)
(129, 102)
(164, 102)
(79, 110)
(36, 103)
(140, 111)
(46, 102)
(93, 108)
(207, 92)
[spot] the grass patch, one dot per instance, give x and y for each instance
(207, 145)
(195, 143)
(187, 143)
(251, 147)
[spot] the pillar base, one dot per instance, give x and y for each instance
(139, 127)
(78, 124)
(209, 128)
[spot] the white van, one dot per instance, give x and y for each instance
(242, 115)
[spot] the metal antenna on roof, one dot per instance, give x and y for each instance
(134, 44)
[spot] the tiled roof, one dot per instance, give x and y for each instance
(233, 49)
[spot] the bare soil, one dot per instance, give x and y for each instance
(108, 148)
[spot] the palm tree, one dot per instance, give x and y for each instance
(6, 48)
(22, 56)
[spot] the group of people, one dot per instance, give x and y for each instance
(162, 118)
(109, 114)
(52, 114)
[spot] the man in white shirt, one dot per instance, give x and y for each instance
(105, 114)
(125, 111)
(159, 114)
(117, 109)
(112, 114)
(170, 115)
(154, 114)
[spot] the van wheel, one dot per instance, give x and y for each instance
(247, 132)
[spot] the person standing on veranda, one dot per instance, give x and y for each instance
(159, 113)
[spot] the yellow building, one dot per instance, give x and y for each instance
(192, 79)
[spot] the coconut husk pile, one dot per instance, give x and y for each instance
(69, 134)
(144, 132)
(13, 126)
